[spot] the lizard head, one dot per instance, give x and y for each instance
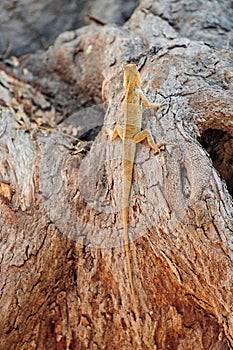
(131, 76)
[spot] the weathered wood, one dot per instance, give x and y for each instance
(64, 281)
(38, 24)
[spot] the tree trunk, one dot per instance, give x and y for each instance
(64, 279)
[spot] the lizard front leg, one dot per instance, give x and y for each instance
(147, 104)
(146, 134)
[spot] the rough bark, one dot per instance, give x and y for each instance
(38, 23)
(64, 281)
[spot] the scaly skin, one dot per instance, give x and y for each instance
(131, 134)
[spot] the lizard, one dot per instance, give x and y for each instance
(131, 134)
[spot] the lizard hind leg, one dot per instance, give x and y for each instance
(118, 131)
(146, 134)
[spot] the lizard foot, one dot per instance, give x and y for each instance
(159, 147)
(158, 106)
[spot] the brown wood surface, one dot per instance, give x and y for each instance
(64, 281)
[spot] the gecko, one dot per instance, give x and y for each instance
(130, 133)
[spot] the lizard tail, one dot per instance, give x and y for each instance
(125, 213)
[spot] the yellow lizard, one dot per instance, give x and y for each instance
(131, 134)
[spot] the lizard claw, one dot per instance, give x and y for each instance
(159, 147)
(158, 106)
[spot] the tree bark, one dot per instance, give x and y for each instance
(64, 280)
